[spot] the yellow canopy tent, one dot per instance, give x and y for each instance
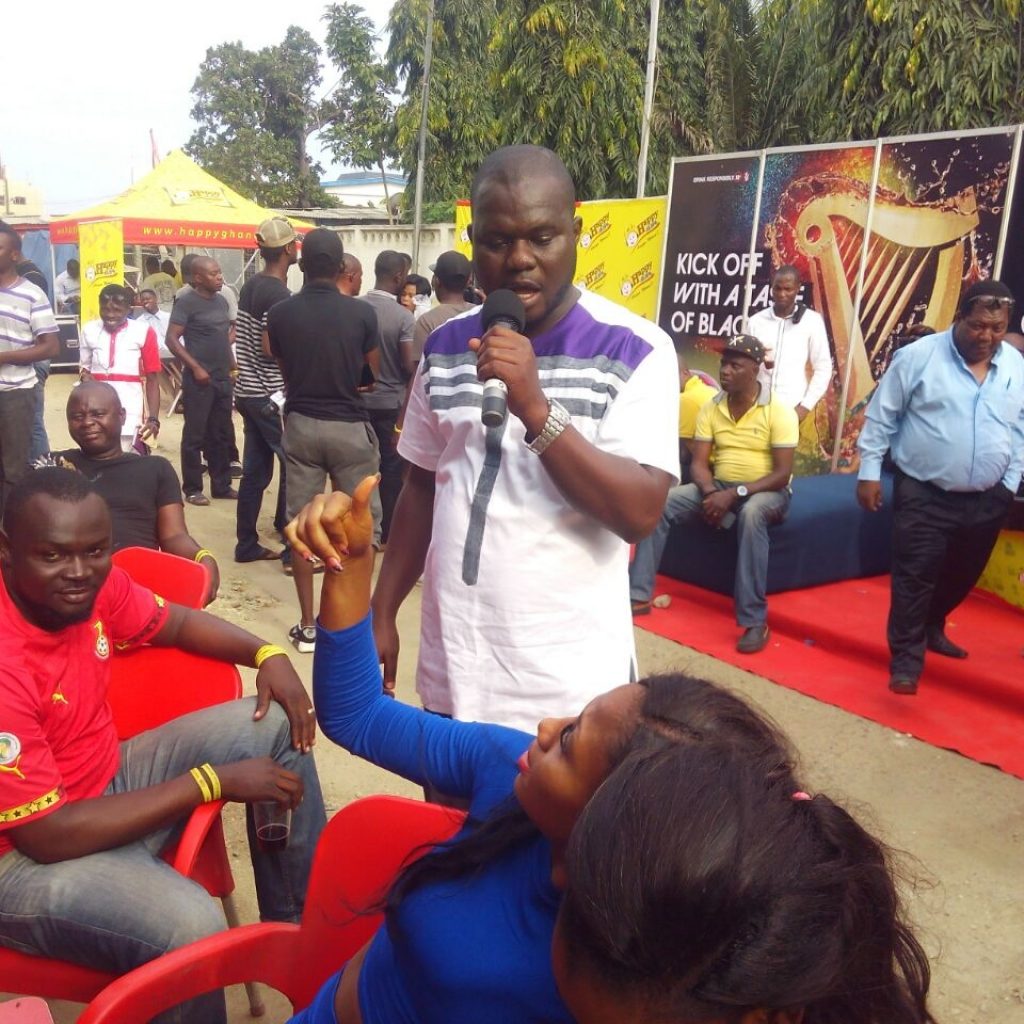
(177, 203)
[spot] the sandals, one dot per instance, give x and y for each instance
(264, 555)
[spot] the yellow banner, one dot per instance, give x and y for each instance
(619, 253)
(101, 251)
(463, 217)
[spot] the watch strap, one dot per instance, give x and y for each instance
(558, 419)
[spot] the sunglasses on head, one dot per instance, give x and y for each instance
(992, 303)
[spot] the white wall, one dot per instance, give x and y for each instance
(366, 242)
(21, 199)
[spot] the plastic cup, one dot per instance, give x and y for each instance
(273, 824)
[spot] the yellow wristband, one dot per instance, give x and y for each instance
(267, 651)
(397, 429)
(204, 788)
(201, 554)
(212, 778)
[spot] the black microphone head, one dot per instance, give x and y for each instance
(504, 307)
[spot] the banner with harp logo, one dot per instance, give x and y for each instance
(886, 234)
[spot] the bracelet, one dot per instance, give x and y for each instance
(152, 419)
(212, 778)
(268, 651)
(209, 784)
(397, 429)
(201, 554)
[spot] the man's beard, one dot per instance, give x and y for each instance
(53, 622)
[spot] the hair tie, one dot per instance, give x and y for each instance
(801, 795)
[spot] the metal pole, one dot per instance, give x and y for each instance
(645, 123)
(428, 49)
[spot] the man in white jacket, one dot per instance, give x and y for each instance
(794, 338)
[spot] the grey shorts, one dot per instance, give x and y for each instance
(318, 450)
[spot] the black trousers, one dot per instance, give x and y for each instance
(207, 429)
(941, 542)
(392, 465)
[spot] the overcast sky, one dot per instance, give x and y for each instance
(87, 84)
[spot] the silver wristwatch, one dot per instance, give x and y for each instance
(557, 421)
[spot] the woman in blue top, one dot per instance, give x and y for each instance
(469, 928)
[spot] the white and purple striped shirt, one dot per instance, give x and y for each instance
(525, 611)
(25, 315)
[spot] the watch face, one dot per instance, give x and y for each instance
(742, 491)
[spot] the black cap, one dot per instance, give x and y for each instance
(322, 242)
(745, 345)
(452, 266)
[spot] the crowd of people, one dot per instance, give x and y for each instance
(947, 418)
(647, 852)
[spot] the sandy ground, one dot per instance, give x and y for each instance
(960, 824)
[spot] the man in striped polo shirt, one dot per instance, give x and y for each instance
(28, 334)
(259, 378)
(522, 530)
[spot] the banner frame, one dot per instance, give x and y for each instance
(1011, 188)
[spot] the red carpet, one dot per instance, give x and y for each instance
(829, 643)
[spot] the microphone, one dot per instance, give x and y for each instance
(502, 308)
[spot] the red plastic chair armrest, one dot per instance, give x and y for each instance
(256, 952)
(197, 828)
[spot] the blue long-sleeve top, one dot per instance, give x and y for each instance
(942, 426)
(458, 952)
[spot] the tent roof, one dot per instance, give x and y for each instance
(177, 203)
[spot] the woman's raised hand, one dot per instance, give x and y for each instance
(335, 528)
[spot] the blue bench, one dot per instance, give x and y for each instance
(826, 537)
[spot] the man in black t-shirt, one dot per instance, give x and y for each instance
(322, 340)
(203, 317)
(142, 491)
(259, 381)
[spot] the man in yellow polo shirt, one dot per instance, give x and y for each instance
(752, 438)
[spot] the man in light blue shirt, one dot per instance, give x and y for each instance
(950, 409)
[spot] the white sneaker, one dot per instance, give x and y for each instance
(303, 638)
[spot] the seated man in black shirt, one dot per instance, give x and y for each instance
(142, 491)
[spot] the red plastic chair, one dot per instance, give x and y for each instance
(174, 578)
(141, 699)
(361, 850)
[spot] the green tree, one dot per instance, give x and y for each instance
(462, 119)
(254, 112)
(570, 77)
(361, 128)
(892, 67)
(725, 80)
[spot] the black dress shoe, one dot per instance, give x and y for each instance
(905, 686)
(754, 639)
(941, 644)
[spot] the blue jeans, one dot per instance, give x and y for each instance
(753, 517)
(263, 431)
(120, 908)
(40, 442)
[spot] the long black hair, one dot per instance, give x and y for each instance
(708, 885)
(675, 710)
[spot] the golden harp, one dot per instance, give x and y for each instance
(915, 256)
